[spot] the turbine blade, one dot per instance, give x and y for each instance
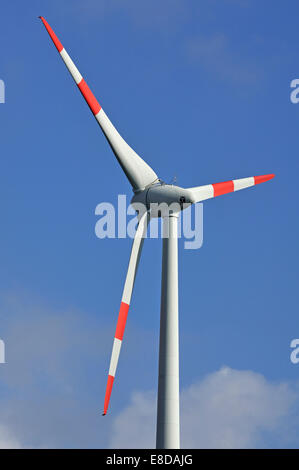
(139, 173)
(125, 303)
(201, 193)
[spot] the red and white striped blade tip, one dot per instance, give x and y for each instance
(263, 178)
(53, 36)
(108, 393)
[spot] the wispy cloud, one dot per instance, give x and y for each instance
(215, 54)
(164, 16)
(195, 31)
(228, 409)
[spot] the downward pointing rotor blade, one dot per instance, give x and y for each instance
(139, 173)
(125, 303)
(201, 193)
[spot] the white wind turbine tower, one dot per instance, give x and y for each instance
(150, 190)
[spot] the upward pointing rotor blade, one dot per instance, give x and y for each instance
(139, 173)
(125, 303)
(201, 193)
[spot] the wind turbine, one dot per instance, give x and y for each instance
(150, 191)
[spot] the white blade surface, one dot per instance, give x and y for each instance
(125, 304)
(139, 173)
(201, 193)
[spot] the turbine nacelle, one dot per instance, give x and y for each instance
(161, 200)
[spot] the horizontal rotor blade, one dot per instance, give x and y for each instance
(201, 193)
(139, 173)
(125, 303)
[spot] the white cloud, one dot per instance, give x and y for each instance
(235, 409)
(228, 409)
(134, 427)
(52, 387)
(7, 440)
(53, 383)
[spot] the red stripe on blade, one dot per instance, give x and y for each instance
(262, 178)
(121, 322)
(53, 36)
(223, 188)
(108, 392)
(90, 98)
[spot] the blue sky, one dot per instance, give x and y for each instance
(201, 90)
